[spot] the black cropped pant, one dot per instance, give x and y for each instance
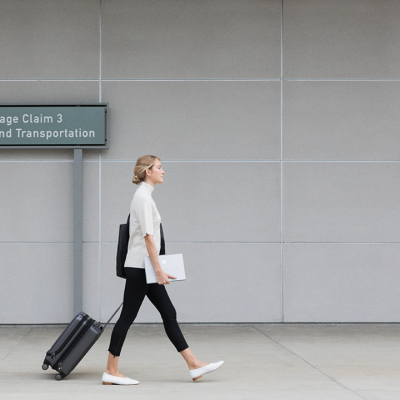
(136, 289)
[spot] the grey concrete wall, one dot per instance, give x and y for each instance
(277, 125)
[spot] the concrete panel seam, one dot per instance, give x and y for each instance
(210, 161)
(100, 16)
(307, 362)
(193, 80)
(16, 345)
(223, 161)
(100, 243)
(339, 80)
(281, 162)
(199, 80)
(49, 80)
(200, 242)
(341, 161)
(342, 242)
(193, 161)
(33, 242)
(36, 161)
(99, 161)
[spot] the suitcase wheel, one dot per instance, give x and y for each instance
(58, 377)
(45, 367)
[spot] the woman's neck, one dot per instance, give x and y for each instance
(149, 182)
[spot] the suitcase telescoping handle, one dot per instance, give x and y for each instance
(112, 316)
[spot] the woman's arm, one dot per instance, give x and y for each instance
(162, 277)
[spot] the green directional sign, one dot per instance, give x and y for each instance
(80, 126)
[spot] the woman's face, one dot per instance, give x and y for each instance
(156, 174)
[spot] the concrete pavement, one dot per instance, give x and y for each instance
(262, 361)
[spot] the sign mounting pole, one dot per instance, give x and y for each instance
(78, 230)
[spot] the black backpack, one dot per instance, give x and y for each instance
(122, 249)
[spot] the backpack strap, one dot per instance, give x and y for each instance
(162, 249)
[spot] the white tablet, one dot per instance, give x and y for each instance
(171, 264)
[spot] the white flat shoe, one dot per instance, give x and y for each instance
(196, 373)
(116, 380)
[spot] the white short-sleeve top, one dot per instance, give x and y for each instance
(145, 220)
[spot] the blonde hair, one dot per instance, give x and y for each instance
(143, 163)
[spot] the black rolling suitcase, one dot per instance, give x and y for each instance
(73, 344)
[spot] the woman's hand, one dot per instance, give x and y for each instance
(163, 278)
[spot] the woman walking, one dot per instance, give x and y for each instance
(145, 240)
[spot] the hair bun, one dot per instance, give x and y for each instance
(136, 180)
